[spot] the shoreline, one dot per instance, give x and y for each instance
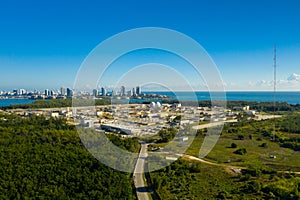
(289, 97)
(11, 98)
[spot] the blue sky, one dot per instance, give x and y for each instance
(43, 43)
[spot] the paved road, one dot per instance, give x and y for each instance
(212, 124)
(138, 175)
(263, 117)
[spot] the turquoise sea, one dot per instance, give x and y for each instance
(289, 97)
(8, 102)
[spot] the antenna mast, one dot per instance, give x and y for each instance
(274, 100)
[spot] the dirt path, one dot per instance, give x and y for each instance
(236, 169)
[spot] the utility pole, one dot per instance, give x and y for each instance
(274, 97)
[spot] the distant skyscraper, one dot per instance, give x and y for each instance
(114, 93)
(95, 92)
(47, 93)
(69, 92)
(22, 91)
(122, 91)
(62, 91)
(103, 91)
(138, 90)
(133, 92)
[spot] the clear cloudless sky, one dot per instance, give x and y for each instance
(43, 43)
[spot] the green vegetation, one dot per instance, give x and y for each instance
(248, 144)
(233, 145)
(130, 144)
(280, 154)
(285, 188)
(292, 124)
(55, 103)
(45, 159)
(241, 151)
(167, 135)
(185, 179)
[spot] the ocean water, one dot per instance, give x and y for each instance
(8, 102)
(289, 97)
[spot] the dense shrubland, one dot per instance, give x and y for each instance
(45, 159)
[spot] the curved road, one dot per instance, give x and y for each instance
(234, 168)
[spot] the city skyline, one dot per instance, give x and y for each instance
(69, 92)
(44, 44)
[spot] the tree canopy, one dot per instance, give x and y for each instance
(42, 158)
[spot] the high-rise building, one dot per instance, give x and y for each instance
(114, 93)
(63, 91)
(138, 91)
(22, 92)
(122, 91)
(47, 92)
(133, 92)
(103, 91)
(70, 93)
(95, 92)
